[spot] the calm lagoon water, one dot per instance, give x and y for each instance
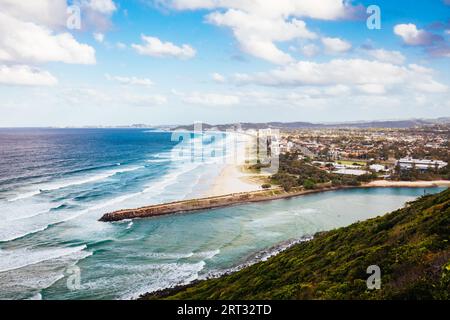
(56, 183)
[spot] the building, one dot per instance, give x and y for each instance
(352, 172)
(420, 164)
(378, 168)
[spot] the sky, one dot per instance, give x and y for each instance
(160, 62)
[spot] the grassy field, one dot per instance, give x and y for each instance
(350, 163)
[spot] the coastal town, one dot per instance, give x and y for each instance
(393, 154)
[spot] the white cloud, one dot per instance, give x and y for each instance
(335, 45)
(208, 99)
(323, 9)
(27, 37)
(372, 88)
(310, 50)
(130, 80)
(394, 57)
(25, 75)
(101, 6)
(257, 35)
(156, 48)
(50, 13)
(420, 69)
(337, 90)
(259, 24)
(28, 42)
(99, 37)
(413, 36)
(364, 75)
(217, 77)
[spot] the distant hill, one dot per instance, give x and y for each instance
(410, 245)
(394, 124)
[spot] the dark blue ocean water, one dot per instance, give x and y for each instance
(56, 183)
(38, 156)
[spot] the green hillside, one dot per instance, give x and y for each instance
(410, 245)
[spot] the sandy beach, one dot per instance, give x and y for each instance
(410, 184)
(232, 179)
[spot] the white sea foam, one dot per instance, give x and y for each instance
(164, 276)
(17, 233)
(19, 258)
(207, 254)
(26, 223)
(52, 186)
(27, 282)
(37, 296)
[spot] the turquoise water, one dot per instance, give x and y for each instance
(123, 260)
(55, 185)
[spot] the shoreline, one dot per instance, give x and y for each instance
(260, 256)
(232, 179)
(227, 200)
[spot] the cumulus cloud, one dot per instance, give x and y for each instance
(364, 75)
(259, 24)
(154, 47)
(30, 34)
(257, 35)
(413, 36)
(25, 75)
(310, 50)
(395, 57)
(435, 45)
(441, 50)
(27, 42)
(49, 13)
(101, 6)
(324, 9)
(130, 80)
(335, 45)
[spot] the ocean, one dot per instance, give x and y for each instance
(56, 183)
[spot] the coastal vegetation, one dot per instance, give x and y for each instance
(416, 175)
(411, 246)
(294, 172)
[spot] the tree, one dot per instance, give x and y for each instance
(308, 184)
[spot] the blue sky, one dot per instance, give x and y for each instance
(179, 61)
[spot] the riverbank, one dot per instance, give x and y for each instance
(215, 202)
(409, 184)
